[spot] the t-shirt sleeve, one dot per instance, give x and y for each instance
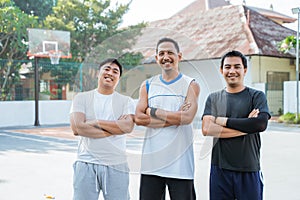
(253, 125)
(260, 102)
(130, 107)
(78, 104)
(208, 107)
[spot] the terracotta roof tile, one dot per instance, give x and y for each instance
(274, 15)
(208, 34)
(267, 34)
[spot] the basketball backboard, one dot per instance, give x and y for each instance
(42, 43)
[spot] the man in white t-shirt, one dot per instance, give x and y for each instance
(100, 118)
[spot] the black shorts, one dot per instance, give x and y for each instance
(154, 188)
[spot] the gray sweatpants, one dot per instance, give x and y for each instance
(89, 179)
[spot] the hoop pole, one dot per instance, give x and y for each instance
(36, 91)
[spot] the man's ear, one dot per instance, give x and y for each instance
(179, 56)
(221, 70)
(156, 59)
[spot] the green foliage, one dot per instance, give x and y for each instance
(287, 44)
(13, 37)
(13, 30)
(9, 77)
(131, 60)
(40, 8)
(290, 42)
(95, 34)
(63, 73)
(280, 111)
(90, 23)
(289, 118)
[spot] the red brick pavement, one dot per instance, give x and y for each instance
(60, 132)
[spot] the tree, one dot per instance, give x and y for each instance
(40, 8)
(287, 44)
(90, 22)
(95, 33)
(13, 34)
(63, 73)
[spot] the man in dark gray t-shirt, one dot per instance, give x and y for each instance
(235, 116)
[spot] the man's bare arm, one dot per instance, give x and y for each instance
(141, 117)
(121, 126)
(157, 123)
(183, 116)
(80, 127)
(211, 128)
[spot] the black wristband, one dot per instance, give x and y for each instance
(152, 112)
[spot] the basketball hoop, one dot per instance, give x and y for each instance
(54, 57)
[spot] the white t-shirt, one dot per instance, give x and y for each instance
(105, 151)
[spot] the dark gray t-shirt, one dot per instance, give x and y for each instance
(239, 153)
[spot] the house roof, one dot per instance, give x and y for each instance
(205, 34)
(202, 5)
(275, 16)
(267, 33)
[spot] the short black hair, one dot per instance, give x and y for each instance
(234, 53)
(112, 60)
(165, 39)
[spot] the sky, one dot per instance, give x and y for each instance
(151, 10)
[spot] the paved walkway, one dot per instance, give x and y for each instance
(59, 131)
(38, 160)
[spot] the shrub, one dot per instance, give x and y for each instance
(289, 118)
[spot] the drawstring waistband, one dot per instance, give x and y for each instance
(104, 179)
(96, 179)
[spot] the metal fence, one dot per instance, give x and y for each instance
(274, 95)
(17, 81)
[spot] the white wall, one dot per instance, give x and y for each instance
(259, 86)
(290, 96)
(22, 113)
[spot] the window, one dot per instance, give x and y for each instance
(275, 80)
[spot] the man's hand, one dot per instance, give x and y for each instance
(222, 121)
(148, 111)
(186, 106)
(254, 113)
(211, 128)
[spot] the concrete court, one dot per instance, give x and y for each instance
(37, 161)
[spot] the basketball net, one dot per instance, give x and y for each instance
(54, 57)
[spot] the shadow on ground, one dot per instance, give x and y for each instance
(12, 141)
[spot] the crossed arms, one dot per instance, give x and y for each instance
(223, 127)
(100, 128)
(163, 118)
